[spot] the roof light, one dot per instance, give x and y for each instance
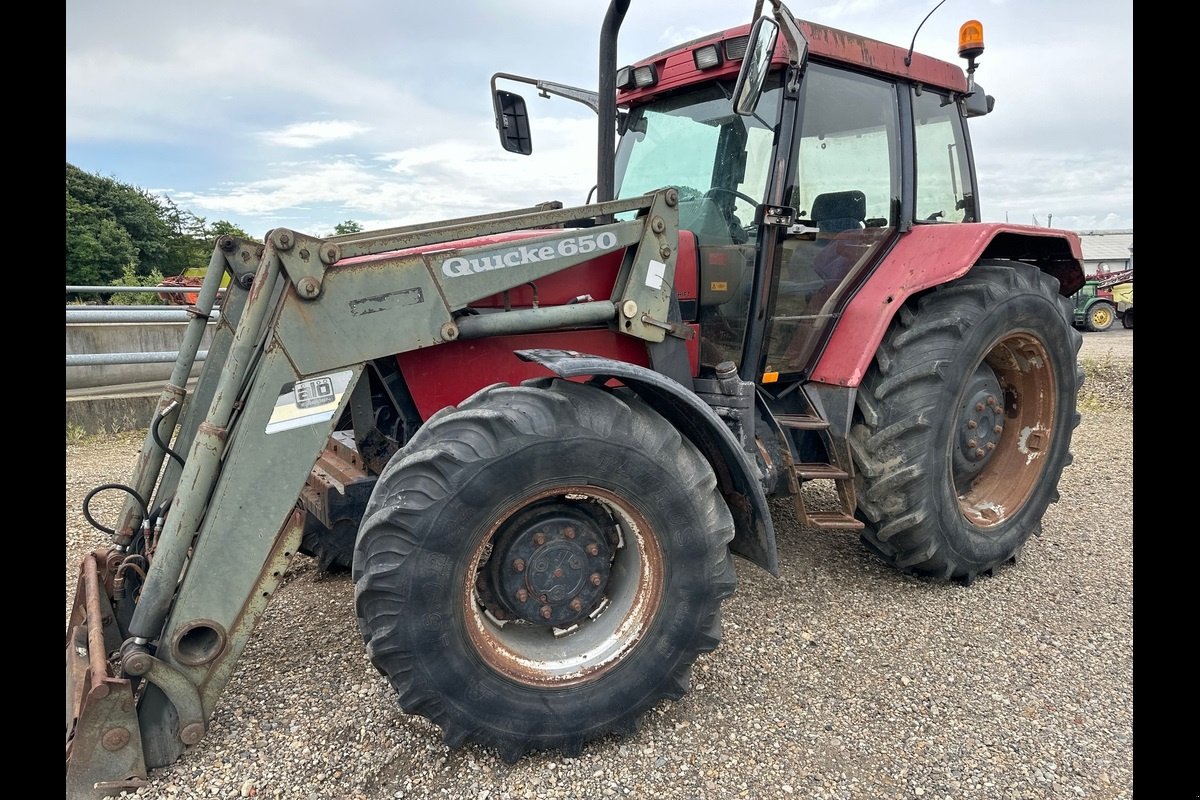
(970, 39)
(735, 48)
(707, 57)
(645, 76)
(640, 77)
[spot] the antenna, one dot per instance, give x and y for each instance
(908, 58)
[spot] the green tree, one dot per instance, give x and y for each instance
(99, 249)
(349, 226)
(137, 212)
(129, 278)
(226, 228)
(188, 243)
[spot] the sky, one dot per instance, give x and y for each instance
(305, 114)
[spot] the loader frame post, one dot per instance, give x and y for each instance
(150, 460)
(203, 460)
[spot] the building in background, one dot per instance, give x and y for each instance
(1106, 251)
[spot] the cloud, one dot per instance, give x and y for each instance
(249, 107)
(310, 134)
(453, 177)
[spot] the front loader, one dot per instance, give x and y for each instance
(538, 437)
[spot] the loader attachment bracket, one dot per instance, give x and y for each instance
(304, 259)
(103, 736)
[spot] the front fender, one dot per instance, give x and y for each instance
(754, 537)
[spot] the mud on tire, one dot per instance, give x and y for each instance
(622, 542)
(964, 421)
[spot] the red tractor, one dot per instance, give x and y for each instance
(537, 437)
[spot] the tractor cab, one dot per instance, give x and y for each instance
(794, 201)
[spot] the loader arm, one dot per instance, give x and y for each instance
(147, 659)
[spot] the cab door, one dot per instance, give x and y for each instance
(845, 184)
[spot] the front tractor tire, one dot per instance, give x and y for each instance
(1100, 317)
(541, 565)
(964, 422)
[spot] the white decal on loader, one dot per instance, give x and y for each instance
(308, 402)
(461, 267)
(654, 274)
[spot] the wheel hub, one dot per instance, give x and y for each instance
(550, 565)
(980, 425)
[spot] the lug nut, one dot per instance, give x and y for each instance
(991, 445)
(971, 443)
(519, 565)
(539, 538)
(999, 429)
(972, 424)
(979, 453)
(522, 595)
(547, 612)
(593, 549)
(991, 401)
(569, 532)
(576, 605)
(979, 406)
(558, 573)
(595, 579)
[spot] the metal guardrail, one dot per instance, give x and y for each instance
(89, 314)
(135, 315)
(124, 289)
(109, 359)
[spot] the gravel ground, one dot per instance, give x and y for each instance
(839, 679)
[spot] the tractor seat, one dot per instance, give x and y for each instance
(834, 212)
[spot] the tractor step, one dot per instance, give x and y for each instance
(816, 472)
(839, 469)
(805, 422)
(833, 521)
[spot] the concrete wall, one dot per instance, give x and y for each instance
(125, 338)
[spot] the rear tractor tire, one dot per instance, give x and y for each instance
(964, 422)
(1127, 319)
(542, 565)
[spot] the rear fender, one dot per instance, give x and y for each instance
(737, 478)
(927, 256)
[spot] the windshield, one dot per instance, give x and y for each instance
(717, 160)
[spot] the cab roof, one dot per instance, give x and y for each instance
(675, 67)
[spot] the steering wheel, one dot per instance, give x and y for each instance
(733, 192)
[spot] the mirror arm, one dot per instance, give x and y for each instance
(586, 96)
(790, 30)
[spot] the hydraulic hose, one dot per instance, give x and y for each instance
(157, 435)
(87, 513)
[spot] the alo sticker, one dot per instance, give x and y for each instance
(308, 402)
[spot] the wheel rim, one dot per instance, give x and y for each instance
(1001, 445)
(563, 586)
(1101, 317)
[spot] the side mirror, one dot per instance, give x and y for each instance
(978, 103)
(759, 52)
(512, 120)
